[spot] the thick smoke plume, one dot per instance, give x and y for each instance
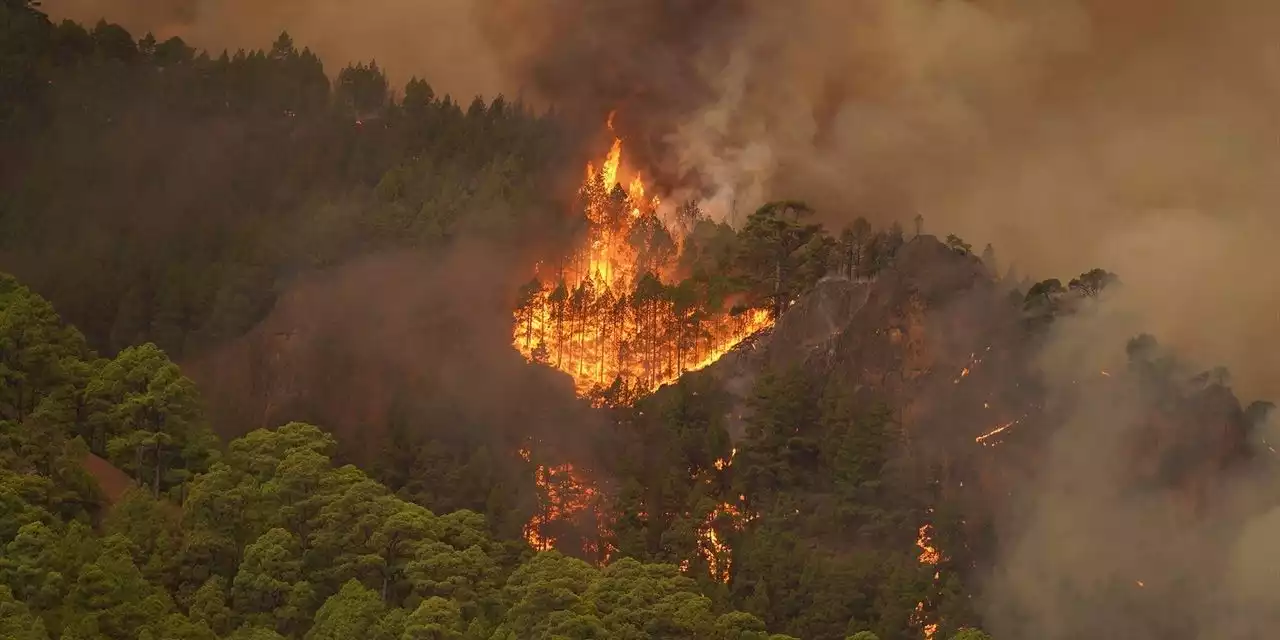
(1136, 135)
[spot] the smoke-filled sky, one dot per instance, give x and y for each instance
(1136, 135)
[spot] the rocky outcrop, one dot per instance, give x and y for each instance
(916, 337)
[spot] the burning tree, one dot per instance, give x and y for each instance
(617, 317)
(606, 314)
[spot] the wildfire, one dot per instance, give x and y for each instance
(563, 494)
(722, 463)
(717, 552)
(604, 314)
(982, 439)
(986, 439)
(929, 556)
(975, 359)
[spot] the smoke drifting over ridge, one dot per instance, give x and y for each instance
(1135, 135)
(1112, 542)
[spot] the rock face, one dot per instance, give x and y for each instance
(930, 324)
(940, 341)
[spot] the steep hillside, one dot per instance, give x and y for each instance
(929, 322)
(995, 412)
(405, 359)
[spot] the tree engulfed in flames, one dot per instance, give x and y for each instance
(604, 314)
(562, 495)
(715, 550)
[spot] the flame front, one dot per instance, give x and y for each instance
(604, 314)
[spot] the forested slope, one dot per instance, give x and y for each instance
(323, 249)
(264, 538)
(154, 191)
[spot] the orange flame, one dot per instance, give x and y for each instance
(595, 324)
(593, 321)
(722, 463)
(974, 361)
(715, 550)
(563, 494)
(929, 556)
(982, 439)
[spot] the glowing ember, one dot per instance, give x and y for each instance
(604, 314)
(974, 360)
(982, 439)
(723, 463)
(928, 554)
(986, 439)
(716, 551)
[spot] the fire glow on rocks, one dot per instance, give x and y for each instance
(604, 316)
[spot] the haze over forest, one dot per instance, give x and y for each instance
(733, 319)
(1133, 133)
